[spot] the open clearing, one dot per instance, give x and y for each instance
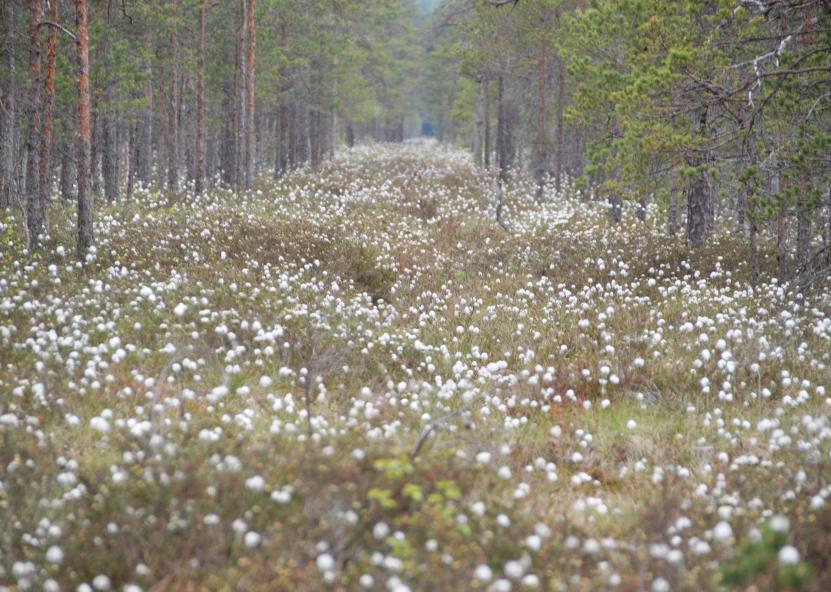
(354, 378)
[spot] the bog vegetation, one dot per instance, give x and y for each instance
(415, 295)
(354, 378)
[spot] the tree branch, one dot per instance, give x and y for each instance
(59, 27)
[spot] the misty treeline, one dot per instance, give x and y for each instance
(708, 113)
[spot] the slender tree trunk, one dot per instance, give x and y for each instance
(313, 138)
(487, 118)
(161, 143)
(754, 247)
(697, 203)
(293, 141)
(333, 138)
(200, 104)
(699, 212)
(228, 146)
(350, 135)
(211, 158)
(242, 118)
(304, 145)
(804, 205)
(803, 239)
(781, 246)
(85, 229)
(781, 227)
(173, 107)
(34, 205)
(249, 96)
(145, 146)
(132, 158)
(673, 213)
(478, 121)
(741, 212)
(111, 157)
(541, 155)
(8, 116)
(109, 132)
(280, 141)
(48, 104)
(66, 171)
(501, 149)
(281, 162)
(559, 141)
(95, 146)
(828, 230)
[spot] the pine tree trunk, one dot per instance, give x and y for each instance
(541, 152)
(803, 239)
(350, 135)
(173, 107)
(501, 149)
(95, 152)
(781, 246)
(699, 209)
(333, 138)
(210, 158)
(249, 96)
(228, 149)
(48, 104)
(281, 157)
(697, 204)
(741, 212)
(66, 171)
(161, 144)
(478, 122)
(109, 132)
(294, 135)
(828, 230)
(8, 116)
(85, 229)
(559, 141)
(487, 117)
(304, 144)
(754, 249)
(109, 154)
(673, 213)
(145, 146)
(132, 158)
(314, 136)
(34, 205)
(199, 173)
(781, 227)
(280, 141)
(240, 90)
